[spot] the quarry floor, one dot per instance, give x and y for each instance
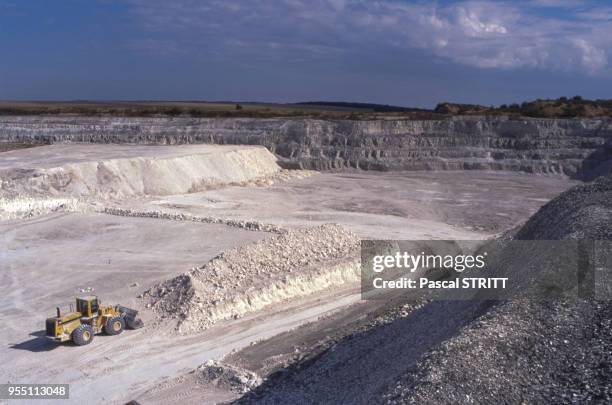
(468, 205)
(45, 261)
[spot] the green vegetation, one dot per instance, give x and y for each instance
(557, 108)
(551, 108)
(198, 109)
(364, 107)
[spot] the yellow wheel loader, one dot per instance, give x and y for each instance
(89, 319)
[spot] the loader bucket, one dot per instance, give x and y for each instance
(135, 323)
(132, 320)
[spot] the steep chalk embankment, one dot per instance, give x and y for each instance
(116, 171)
(286, 266)
(579, 148)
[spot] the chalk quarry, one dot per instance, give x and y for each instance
(238, 240)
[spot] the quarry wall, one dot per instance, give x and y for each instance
(579, 148)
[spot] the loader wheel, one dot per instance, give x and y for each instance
(114, 326)
(83, 335)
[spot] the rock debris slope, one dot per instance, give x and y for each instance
(248, 278)
(527, 351)
(116, 171)
(476, 352)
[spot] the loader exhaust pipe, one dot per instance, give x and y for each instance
(58, 312)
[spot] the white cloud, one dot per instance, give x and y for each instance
(474, 26)
(592, 58)
(485, 34)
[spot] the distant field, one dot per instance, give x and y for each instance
(211, 109)
(562, 107)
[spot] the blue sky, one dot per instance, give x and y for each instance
(413, 53)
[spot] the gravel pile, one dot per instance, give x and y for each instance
(269, 180)
(528, 351)
(519, 353)
(251, 277)
(21, 207)
(583, 212)
(217, 374)
(242, 224)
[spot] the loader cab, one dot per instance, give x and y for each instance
(88, 306)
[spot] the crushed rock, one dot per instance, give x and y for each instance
(24, 207)
(526, 351)
(250, 277)
(242, 224)
(278, 177)
(227, 377)
(521, 352)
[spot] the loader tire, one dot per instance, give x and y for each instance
(114, 326)
(83, 335)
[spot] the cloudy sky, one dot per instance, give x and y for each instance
(412, 53)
